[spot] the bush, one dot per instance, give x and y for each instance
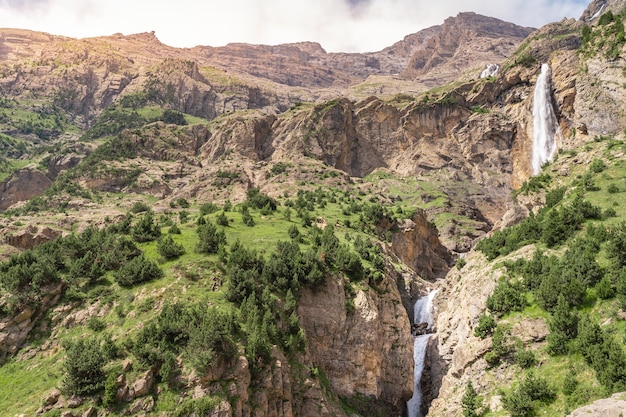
(139, 207)
(507, 296)
(471, 403)
(605, 289)
(173, 117)
(563, 327)
(221, 219)
(524, 358)
(209, 238)
(597, 166)
(485, 326)
(169, 249)
(570, 382)
(259, 200)
(613, 188)
(499, 346)
(294, 232)
(246, 217)
(136, 271)
(174, 230)
(83, 367)
(182, 202)
(522, 401)
(96, 324)
(460, 263)
(145, 230)
(208, 208)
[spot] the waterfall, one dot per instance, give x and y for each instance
(545, 124)
(490, 70)
(422, 313)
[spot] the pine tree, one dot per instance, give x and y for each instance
(471, 402)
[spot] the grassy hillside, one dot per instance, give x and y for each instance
(573, 280)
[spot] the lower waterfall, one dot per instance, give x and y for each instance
(422, 314)
(545, 124)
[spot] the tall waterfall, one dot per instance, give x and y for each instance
(545, 124)
(422, 313)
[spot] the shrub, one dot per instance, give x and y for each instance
(174, 230)
(499, 346)
(83, 367)
(597, 166)
(294, 232)
(208, 208)
(613, 188)
(260, 200)
(524, 358)
(507, 296)
(96, 324)
(605, 289)
(209, 238)
(554, 197)
(145, 230)
(139, 207)
(563, 327)
(460, 263)
(570, 382)
(169, 249)
(136, 271)
(221, 219)
(246, 217)
(173, 117)
(485, 326)
(182, 202)
(471, 403)
(522, 400)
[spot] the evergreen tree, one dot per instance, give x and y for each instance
(563, 327)
(209, 238)
(471, 402)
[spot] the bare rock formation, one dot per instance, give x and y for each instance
(464, 42)
(366, 351)
(23, 185)
(614, 406)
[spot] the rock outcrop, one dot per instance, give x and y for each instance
(614, 406)
(467, 41)
(23, 185)
(365, 351)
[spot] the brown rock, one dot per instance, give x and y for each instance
(22, 185)
(24, 315)
(52, 398)
(143, 385)
(90, 412)
(127, 365)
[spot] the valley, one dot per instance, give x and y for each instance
(246, 230)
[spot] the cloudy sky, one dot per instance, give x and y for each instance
(339, 25)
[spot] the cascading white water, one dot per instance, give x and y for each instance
(422, 313)
(545, 124)
(490, 70)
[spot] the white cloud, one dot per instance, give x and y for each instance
(369, 25)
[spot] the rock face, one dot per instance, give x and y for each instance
(596, 8)
(23, 185)
(464, 42)
(608, 407)
(366, 351)
(89, 74)
(417, 245)
(31, 237)
(14, 330)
